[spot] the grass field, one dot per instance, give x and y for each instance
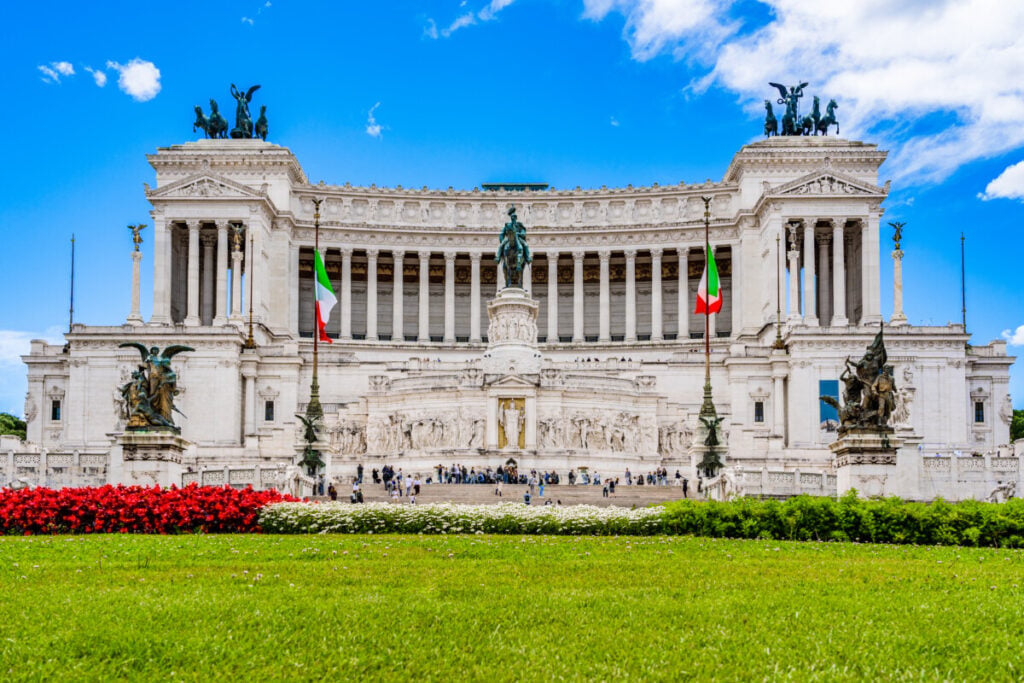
(504, 608)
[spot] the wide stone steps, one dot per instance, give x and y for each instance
(483, 494)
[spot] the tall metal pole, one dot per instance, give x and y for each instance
(707, 408)
(314, 410)
(71, 310)
(963, 284)
(779, 344)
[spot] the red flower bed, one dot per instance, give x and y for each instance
(133, 509)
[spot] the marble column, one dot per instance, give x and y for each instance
(371, 294)
(474, 297)
(424, 326)
(236, 279)
(220, 315)
(134, 317)
(810, 295)
(684, 294)
(838, 275)
(898, 318)
(778, 405)
(346, 294)
(825, 280)
(552, 297)
(398, 296)
(656, 318)
(209, 242)
(161, 272)
(192, 317)
(870, 275)
(793, 306)
(630, 295)
(604, 334)
(577, 296)
(449, 297)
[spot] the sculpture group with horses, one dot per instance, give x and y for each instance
(792, 123)
(216, 126)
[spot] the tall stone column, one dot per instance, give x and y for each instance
(631, 295)
(552, 297)
(449, 297)
(236, 279)
(474, 297)
(684, 294)
(209, 241)
(192, 317)
(898, 318)
(397, 297)
(870, 273)
(371, 294)
(577, 296)
(825, 300)
(220, 315)
(134, 317)
(604, 334)
(656, 319)
(839, 318)
(793, 306)
(424, 326)
(346, 294)
(161, 272)
(810, 295)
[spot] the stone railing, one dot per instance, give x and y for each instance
(961, 477)
(53, 469)
(736, 482)
(286, 480)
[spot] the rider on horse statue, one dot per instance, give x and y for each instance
(513, 253)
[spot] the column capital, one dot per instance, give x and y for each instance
(656, 252)
(372, 253)
(824, 240)
(208, 239)
(222, 225)
(475, 256)
(424, 256)
(192, 223)
(449, 257)
(346, 252)
(552, 254)
(605, 255)
(578, 255)
(630, 254)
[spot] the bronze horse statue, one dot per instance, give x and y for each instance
(771, 124)
(828, 120)
(261, 124)
(216, 126)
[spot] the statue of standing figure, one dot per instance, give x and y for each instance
(136, 236)
(149, 396)
(513, 252)
(243, 122)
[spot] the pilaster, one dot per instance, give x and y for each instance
(604, 334)
(192, 317)
(449, 297)
(657, 333)
(371, 294)
(577, 296)
(630, 295)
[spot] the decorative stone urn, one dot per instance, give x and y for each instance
(512, 334)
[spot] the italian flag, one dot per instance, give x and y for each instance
(325, 298)
(709, 293)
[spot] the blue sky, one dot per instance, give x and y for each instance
(569, 92)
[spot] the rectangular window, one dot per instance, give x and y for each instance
(758, 411)
(268, 411)
(55, 410)
(979, 411)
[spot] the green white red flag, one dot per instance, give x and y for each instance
(709, 293)
(325, 298)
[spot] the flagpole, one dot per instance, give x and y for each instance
(963, 284)
(314, 410)
(707, 408)
(71, 309)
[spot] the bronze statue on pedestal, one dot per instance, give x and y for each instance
(149, 396)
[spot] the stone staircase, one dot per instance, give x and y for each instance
(483, 494)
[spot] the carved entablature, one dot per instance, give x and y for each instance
(204, 186)
(827, 183)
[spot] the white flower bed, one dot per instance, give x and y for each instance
(450, 518)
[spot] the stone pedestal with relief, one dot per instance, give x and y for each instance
(149, 458)
(865, 459)
(512, 334)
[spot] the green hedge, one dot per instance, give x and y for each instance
(891, 520)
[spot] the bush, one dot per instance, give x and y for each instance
(133, 509)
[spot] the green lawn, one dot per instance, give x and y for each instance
(504, 608)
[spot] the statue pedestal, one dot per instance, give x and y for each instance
(149, 458)
(512, 334)
(865, 459)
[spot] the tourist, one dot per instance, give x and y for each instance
(359, 473)
(686, 485)
(416, 485)
(394, 494)
(526, 497)
(332, 492)
(497, 488)
(376, 476)
(533, 483)
(629, 477)
(572, 477)
(700, 484)
(408, 486)
(412, 500)
(604, 491)
(611, 487)
(541, 488)
(547, 502)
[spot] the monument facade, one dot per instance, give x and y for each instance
(590, 355)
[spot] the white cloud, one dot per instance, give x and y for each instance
(888, 64)
(13, 373)
(373, 129)
(614, 121)
(1014, 337)
(247, 20)
(489, 11)
(1009, 184)
(53, 72)
(98, 76)
(138, 78)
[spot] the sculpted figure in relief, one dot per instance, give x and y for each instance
(510, 421)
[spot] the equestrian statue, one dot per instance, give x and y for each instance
(513, 252)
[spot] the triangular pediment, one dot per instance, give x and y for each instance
(827, 183)
(512, 381)
(204, 186)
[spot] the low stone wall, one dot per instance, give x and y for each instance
(764, 482)
(284, 479)
(54, 469)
